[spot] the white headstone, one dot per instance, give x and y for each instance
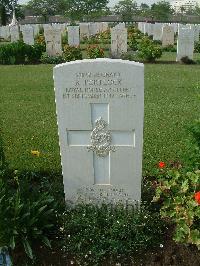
(28, 34)
(141, 26)
(167, 35)
(150, 29)
(121, 25)
(5, 32)
(73, 35)
(157, 32)
(36, 29)
(14, 33)
(118, 41)
(53, 41)
(105, 26)
(100, 106)
(84, 30)
(185, 43)
(93, 29)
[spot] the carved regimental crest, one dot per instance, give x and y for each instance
(101, 139)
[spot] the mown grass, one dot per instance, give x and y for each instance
(28, 114)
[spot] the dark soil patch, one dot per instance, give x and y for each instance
(171, 254)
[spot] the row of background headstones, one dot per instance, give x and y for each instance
(187, 35)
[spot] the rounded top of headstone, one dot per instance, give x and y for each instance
(100, 60)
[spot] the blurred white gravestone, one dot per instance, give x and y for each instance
(118, 41)
(185, 43)
(73, 35)
(93, 28)
(14, 33)
(28, 34)
(36, 29)
(84, 30)
(157, 31)
(53, 41)
(5, 32)
(100, 108)
(167, 35)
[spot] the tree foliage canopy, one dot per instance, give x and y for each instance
(6, 8)
(126, 8)
(47, 7)
(161, 10)
(86, 9)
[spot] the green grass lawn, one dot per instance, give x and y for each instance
(29, 119)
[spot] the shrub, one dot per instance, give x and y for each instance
(93, 39)
(40, 39)
(34, 53)
(178, 193)
(64, 39)
(169, 48)
(25, 220)
(131, 56)
(197, 47)
(20, 53)
(193, 146)
(47, 59)
(72, 53)
(95, 51)
(106, 235)
(106, 35)
(186, 60)
(29, 215)
(133, 44)
(148, 51)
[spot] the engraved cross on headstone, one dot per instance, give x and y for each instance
(101, 164)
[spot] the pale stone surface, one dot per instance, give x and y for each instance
(145, 29)
(28, 34)
(140, 26)
(105, 26)
(121, 25)
(157, 32)
(84, 30)
(14, 33)
(118, 41)
(167, 35)
(93, 29)
(53, 41)
(36, 29)
(185, 43)
(150, 29)
(5, 32)
(86, 91)
(175, 27)
(73, 35)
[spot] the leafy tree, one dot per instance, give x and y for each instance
(126, 8)
(161, 10)
(20, 11)
(6, 8)
(86, 9)
(145, 10)
(47, 7)
(197, 10)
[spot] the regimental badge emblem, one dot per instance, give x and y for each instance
(101, 139)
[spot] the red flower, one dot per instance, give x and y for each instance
(197, 197)
(161, 164)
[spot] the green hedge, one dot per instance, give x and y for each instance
(20, 53)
